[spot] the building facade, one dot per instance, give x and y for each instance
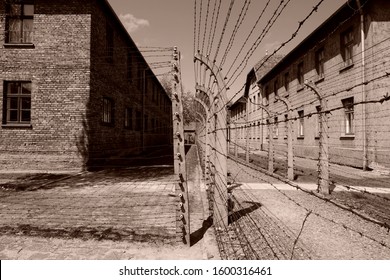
(344, 63)
(75, 88)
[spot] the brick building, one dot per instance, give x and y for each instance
(75, 88)
(345, 60)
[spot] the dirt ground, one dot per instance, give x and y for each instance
(123, 213)
(130, 214)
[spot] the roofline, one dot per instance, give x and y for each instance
(305, 40)
(111, 10)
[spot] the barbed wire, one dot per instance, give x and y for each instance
(237, 26)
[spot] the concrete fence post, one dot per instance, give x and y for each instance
(290, 150)
(323, 157)
(182, 208)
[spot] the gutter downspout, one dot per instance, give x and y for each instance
(364, 136)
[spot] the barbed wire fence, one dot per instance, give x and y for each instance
(267, 140)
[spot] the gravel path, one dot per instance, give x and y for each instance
(280, 222)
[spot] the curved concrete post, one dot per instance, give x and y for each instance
(270, 140)
(290, 150)
(323, 165)
(220, 143)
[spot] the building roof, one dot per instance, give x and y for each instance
(346, 11)
(257, 72)
(111, 11)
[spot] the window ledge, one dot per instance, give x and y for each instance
(16, 125)
(347, 137)
(19, 46)
(346, 67)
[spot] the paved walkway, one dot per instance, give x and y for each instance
(126, 213)
(305, 171)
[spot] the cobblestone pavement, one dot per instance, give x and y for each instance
(124, 213)
(114, 204)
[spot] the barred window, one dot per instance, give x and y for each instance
(19, 22)
(17, 103)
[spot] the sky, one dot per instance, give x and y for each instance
(168, 23)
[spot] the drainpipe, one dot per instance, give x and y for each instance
(364, 136)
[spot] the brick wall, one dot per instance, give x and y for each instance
(110, 79)
(58, 67)
(71, 74)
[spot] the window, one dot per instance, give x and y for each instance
(108, 111)
(109, 43)
(300, 75)
(347, 42)
(301, 124)
(129, 118)
(19, 23)
(320, 61)
(348, 116)
(17, 103)
(138, 121)
(286, 81)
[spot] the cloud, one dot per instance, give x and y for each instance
(132, 23)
